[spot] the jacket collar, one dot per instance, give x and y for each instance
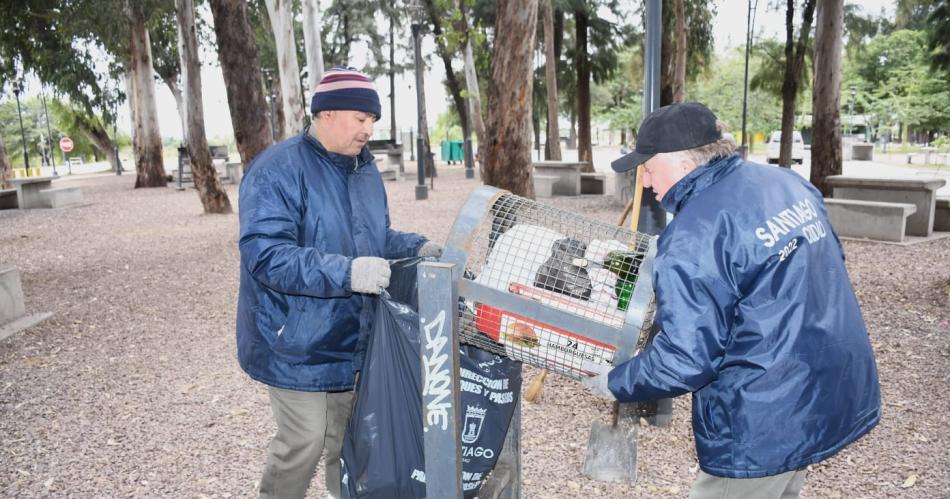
(350, 163)
(697, 181)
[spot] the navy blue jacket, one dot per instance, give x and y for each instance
(305, 213)
(759, 321)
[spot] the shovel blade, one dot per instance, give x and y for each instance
(611, 453)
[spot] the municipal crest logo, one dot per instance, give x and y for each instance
(474, 417)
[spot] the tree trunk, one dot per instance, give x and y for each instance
(313, 43)
(241, 67)
(679, 71)
(282, 24)
(508, 151)
(149, 166)
(179, 104)
(794, 61)
(475, 102)
(826, 95)
(582, 61)
(455, 88)
(552, 146)
(213, 197)
(666, 60)
(101, 141)
(4, 164)
(572, 134)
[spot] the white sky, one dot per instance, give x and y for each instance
(729, 32)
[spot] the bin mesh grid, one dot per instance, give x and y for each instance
(561, 260)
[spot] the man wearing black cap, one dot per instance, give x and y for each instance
(315, 237)
(757, 315)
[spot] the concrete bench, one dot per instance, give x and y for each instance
(390, 174)
(942, 214)
(8, 199)
(869, 219)
(593, 183)
(63, 196)
(28, 193)
(13, 316)
(568, 175)
(544, 186)
(922, 193)
(862, 152)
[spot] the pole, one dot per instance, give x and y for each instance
(422, 191)
(392, 73)
(273, 109)
(115, 145)
(26, 158)
(745, 80)
(49, 135)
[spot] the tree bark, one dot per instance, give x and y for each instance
(100, 140)
(508, 152)
(313, 43)
(282, 24)
(240, 64)
(475, 102)
(213, 197)
(451, 81)
(179, 104)
(826, 95)
(149, 166)
(552, 146)
(4, 164)
(679, 70)
(794, 61)
(582, 61)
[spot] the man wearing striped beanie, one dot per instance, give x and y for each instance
(314, 244)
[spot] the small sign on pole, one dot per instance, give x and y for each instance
(66, 144)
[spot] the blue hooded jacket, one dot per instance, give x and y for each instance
(759, 321)
(305, 213)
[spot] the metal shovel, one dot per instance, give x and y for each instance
(612, 451)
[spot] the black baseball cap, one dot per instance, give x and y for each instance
(672, 128)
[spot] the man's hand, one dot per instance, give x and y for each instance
(430, 248)
(597, 384)
(369, 274)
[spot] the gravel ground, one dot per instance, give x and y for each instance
(132, 388)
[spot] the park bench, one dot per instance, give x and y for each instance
(13, 316)
(544, 186)
(63, 196)
(862, 151)
(8, 199)
(922, 193)
(942, 215)
(876, 220)
(28, 191)
(568, 175)
(593, 183)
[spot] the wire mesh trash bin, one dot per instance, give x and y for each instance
(549, 287)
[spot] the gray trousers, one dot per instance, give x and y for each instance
(784, 486)
(307, 424)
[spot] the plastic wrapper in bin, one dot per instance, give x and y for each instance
(383, 445)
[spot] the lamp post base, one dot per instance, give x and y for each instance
(422, 192)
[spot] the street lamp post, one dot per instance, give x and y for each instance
(17, 88)
(745, 79)
(854, 91)
(49, 135)
(422, 191)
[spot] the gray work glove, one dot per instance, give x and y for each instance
(430, 249)
(369, 274)
(597, 384)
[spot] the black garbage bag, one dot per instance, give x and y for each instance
(383, 453)
(561, 275)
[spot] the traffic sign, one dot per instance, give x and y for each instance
(66, 144)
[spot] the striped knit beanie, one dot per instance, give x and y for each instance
(345, 89)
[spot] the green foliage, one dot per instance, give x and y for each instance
(447, 127)
(34, 129)
(938, 29)
(721, 90)
(895, 82)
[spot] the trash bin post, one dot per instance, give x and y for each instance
(439, 349)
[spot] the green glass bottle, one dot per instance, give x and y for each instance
(625, 264)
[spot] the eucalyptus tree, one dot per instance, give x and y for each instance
(213, 198)
(826, 95)
(508, 151)
(795, 51)
(280, 13)
(241, 67)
